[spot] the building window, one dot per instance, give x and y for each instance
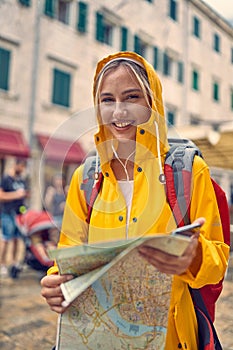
(61, 88)
(5, 57)
(104, 29)
(216, 96)
(124, 39)
(167, 64)
(173, 9)
(195, 80)
(180, 73)
(196, 27)
(25, 2)
(170, 118)
(140, 46)
(63, 11)
(216, 43)
(82, 17)
(57, 9)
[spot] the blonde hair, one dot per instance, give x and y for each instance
(136, 68)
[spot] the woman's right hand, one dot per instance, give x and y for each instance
(52, 293)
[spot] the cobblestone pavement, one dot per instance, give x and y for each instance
(26, 323)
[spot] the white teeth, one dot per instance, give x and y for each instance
(122, 124)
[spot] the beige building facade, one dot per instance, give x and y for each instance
(48, 53)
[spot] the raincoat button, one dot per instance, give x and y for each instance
(120, 218)
(142, 131)
(139, 169)
(179, 346)
(107, 174)
(97, 138)
(135, 219)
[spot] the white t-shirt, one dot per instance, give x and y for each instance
(127, 190)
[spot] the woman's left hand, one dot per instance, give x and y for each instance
(171, 264)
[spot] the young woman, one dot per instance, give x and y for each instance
(132, 145)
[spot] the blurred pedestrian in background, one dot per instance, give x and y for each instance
(55, 198)
(13, 192)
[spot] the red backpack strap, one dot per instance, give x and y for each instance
(178, 172)
(224, 211)
(91, 184)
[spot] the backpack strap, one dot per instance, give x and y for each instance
(207, 334)
(178, 173)
(91, 183)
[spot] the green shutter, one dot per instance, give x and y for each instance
(25, 2)
(195, 81)
(156, 58)
(216, 42)
(216, 92)
(99, 27)
(4, 68)
(180, 77)
(166, 64)
(49, 9)
(196, 27)
(124, 39)
(61, 88)
(173, 9)
(82, 17)
(170, 118)
(137, 46)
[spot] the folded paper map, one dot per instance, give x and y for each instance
(118, 300)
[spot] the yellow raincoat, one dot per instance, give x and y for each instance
(150, 212)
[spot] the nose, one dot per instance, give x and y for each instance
(119, 110)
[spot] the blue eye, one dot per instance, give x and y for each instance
(132, 97)
(107, 100)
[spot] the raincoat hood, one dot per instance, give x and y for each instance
(155, 142)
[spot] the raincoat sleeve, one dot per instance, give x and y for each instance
(74, 229)
(211, 260)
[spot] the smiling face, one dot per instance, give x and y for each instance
(123, 104)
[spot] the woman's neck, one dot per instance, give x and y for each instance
(123, 163)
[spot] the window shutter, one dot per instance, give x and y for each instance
(61, 88)
(156, 58)
(99, 27)
(49, 9)
(137, 46)
(25, 2)
(170, 118)
(180, 76)
(82, 17)
(173, 9)
(4, 68)
(196, 27)
(124, 39)
(216, 92)
(195, 80)
(216, 43)
(166, 64)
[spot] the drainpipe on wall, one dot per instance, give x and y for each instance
(34, 76)
(184, 119)
(35, 196)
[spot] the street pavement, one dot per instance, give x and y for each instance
(26, 322)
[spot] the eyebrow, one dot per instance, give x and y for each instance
(124, 92)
